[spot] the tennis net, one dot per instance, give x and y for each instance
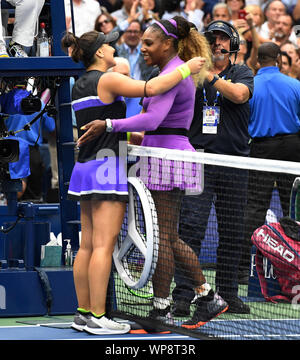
(190, 217)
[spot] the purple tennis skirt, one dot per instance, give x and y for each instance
(101, 179)
(165, 175)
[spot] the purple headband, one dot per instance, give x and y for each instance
(173, 22)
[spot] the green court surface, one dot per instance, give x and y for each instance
(267, 321)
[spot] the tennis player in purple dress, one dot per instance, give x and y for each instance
(166, 120)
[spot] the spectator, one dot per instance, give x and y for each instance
(286, 63)
(85, 14)
(273, 10)
(105, 23)
(296, 12)
(274, 127)
(170, 8)
(130, 10)
(123, 13)
(257, 15)
(191, 11)
(155, 6)
(249, 43)
(227, 135)
(283, 30)
(290, 5)
(242, 52)
(292, 51)
(133, 10)
(221, 11)
(235, 6)
(26, 17)
(131, 50)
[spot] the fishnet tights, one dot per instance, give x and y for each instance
(172, 250)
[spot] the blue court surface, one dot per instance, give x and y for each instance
(35, 332)
(237, 330)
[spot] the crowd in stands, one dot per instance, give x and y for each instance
(257, 21)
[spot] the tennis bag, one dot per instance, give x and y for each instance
(280, 244)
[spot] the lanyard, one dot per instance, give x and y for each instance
(217, 95)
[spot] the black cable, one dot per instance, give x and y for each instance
(7, 230)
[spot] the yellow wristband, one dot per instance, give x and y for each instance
(128, 136)
(184, 71)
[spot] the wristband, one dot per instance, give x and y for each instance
(128, 136)
(215, 78)
(250, 28)
(184, 70)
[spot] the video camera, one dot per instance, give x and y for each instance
(9, 148)
(31, 104)
(9, 151)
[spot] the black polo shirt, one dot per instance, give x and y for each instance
(232, 133)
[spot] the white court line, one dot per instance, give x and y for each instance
(16, 326)
(134, 338)
(222, 320)
(260, 336)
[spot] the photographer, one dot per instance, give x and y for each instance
(12, 103)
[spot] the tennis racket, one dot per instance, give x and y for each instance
(295, 200)
(136, 250)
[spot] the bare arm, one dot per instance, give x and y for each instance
(296, 11)
(252, 61)
(236, 92)
(113, 84)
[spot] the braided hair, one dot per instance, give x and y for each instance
(187, 41)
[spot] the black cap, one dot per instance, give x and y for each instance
(220, 26)
(103, 39)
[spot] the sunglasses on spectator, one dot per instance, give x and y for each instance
(101, 23)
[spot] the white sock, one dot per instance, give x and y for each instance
(205, 289)
(161, 303)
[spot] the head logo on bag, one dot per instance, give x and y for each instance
(276, 246)
(283, 252)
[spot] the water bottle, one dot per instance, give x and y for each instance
(42, 42)
(68, 254)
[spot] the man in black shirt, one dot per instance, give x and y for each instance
(220, 126)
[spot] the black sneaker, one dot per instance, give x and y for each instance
(163, 315)
(236, 305)
(181, 308)
(207, 308)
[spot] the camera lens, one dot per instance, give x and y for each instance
(9, 150)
